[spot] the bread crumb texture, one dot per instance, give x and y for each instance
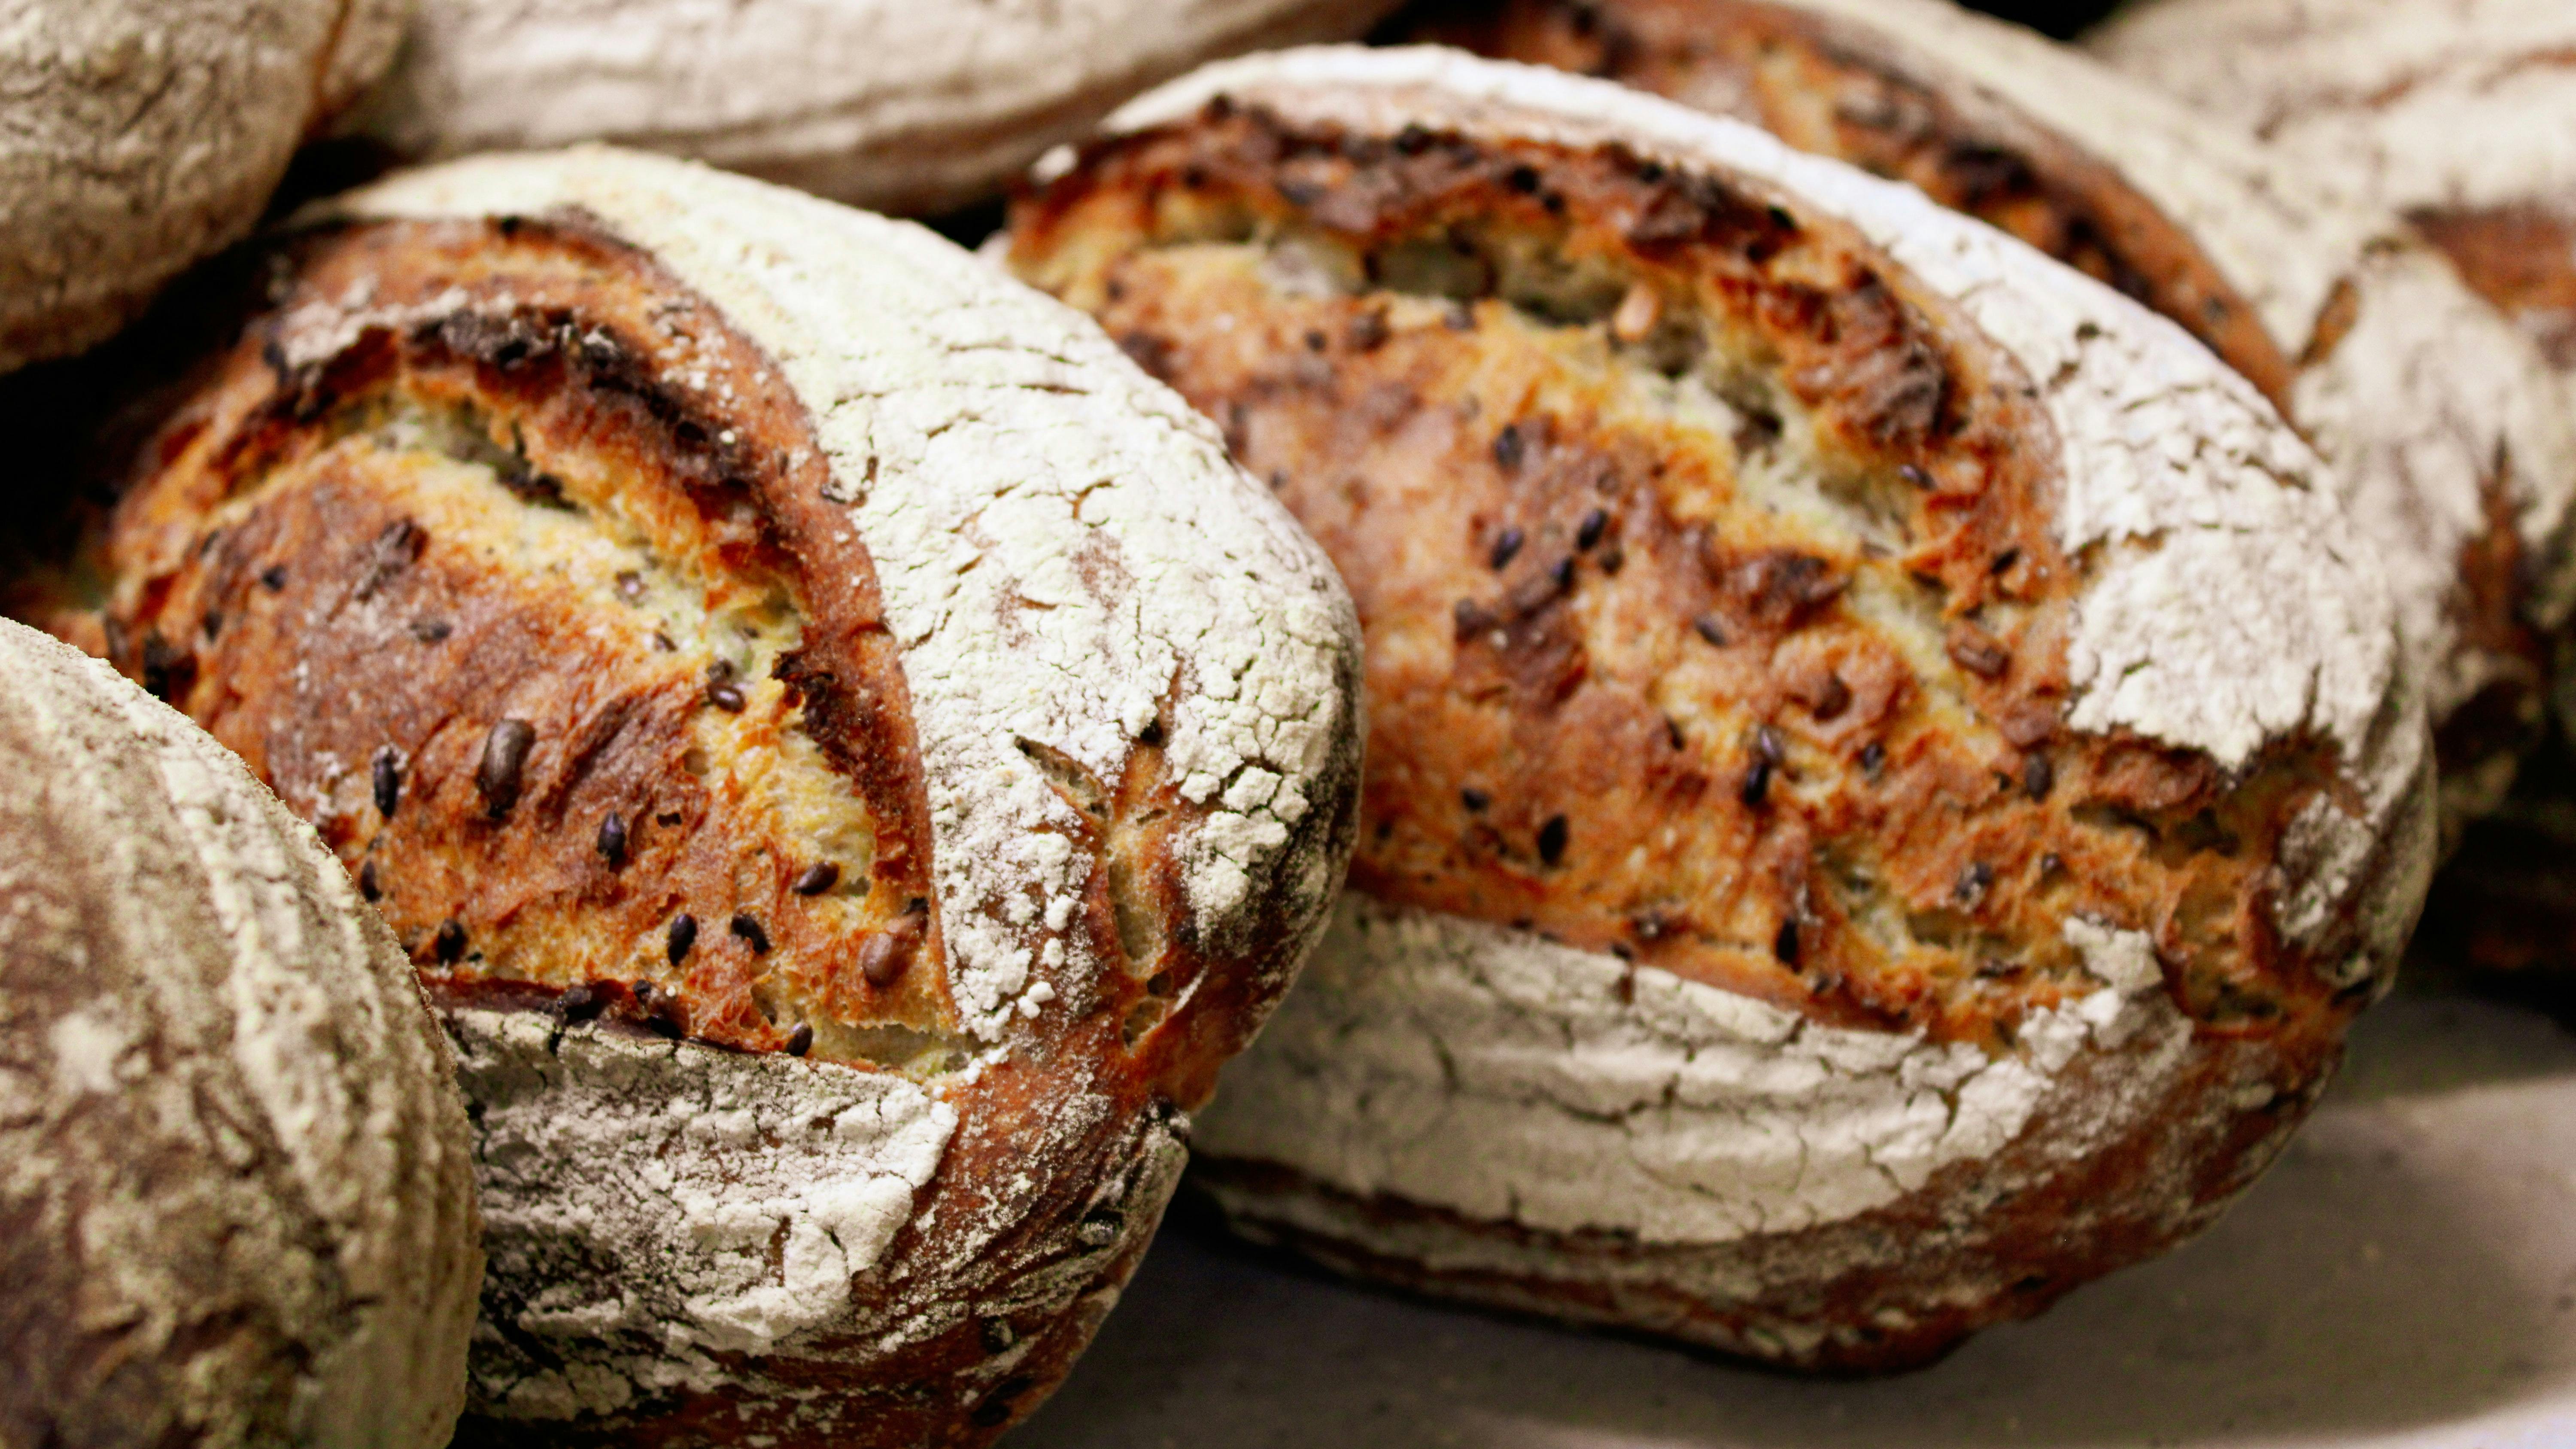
(240, 1203)
(896, 106)
(146, 134)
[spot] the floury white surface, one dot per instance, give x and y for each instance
(2404, 1279)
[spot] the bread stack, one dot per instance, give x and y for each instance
(1881, 734)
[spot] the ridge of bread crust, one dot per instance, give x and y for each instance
(146, 134)
(241, 1196)
(1074, 585)
(901, 108)
(2443, 427)
(1750, 1178)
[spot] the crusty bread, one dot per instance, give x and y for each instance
(146, 134)
(848, 750)
(902, 107)
(239, 1205)
(1887, 776)
(2445, 430)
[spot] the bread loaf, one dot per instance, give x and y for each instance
(146, 134)
(849, 752)
(902, 107)
(239, 1206)
(2448, 441)
(1888, 775)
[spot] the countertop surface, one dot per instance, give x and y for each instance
(2405, 1276)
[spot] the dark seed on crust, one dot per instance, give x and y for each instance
(749, 930)
(1768, 744)
(580, 1003)
(1613, 558)
(612, 839)
(1316, 341)
(1474, 799)
(2038, 776)
(996, 1334)
(1757, 782)
(684, 934)
(817, 878)
(1552, 838)
(431, 631)
(643, 991)
(801, 1040)
(1413, 140)
(1509, 449)
(1562, 575)
(1523, 179)
(2004, 561)
(1872, 757)
(1507, 547)
(501, 774)
(883, 959)
(273, 578)
(1972, 883)
(1975, 651)
(167, 671)
(1833, 699)
(212, 623)
(726, 697)
(1914, 475)
(1589, 531)
(367, 885)
(1784, 946)
(1710, 629)
(449, 943)
(630, 586)
(387, 780)
(1368, 331)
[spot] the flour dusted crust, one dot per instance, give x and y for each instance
(901, 107)
(837, 738)
(1542, 1063)
(2445, 430)
(145, 134)
(240, 1204)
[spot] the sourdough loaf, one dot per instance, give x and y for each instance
(848, 752)
(239, 1205)
(146, 134)
(2445, 430)
(903, 107)
(1888, 774)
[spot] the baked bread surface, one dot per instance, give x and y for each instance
(849, 752)
(901, 107)
(147, 134)
(2445, 431)
(239, 1203)
(1831, 769)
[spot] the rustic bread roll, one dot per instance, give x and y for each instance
(1887, 776)
(145, 134)
(2449, 442)
(849, 752)
(238, 1200)
(902, 107)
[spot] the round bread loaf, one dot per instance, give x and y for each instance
(2447, 434)
(146, 134)
(1888, 776)
(849, 752)
(903, 107)
(239, 1205)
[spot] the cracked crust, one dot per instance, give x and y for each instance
(147, 134)
(785, 685)
(239, 1205)
(2444, 428)
(1816, 792)
(909, 108)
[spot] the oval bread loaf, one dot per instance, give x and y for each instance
(2447, 434)
(239, 1203)
(146, 134)
(849, 752)
(902, 107)
(1888, 774)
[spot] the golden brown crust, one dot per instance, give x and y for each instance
(1878, 837)
(487, 534)
(2522, 258)
(1788, 71)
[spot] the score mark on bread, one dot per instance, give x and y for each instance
(1829, 767)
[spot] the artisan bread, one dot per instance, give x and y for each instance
(2446, 432)
(902, 107)
(239, 1205)
(848, 751)
(146, 134)
(1888, 775)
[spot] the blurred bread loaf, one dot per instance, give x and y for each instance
(239, 1204)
